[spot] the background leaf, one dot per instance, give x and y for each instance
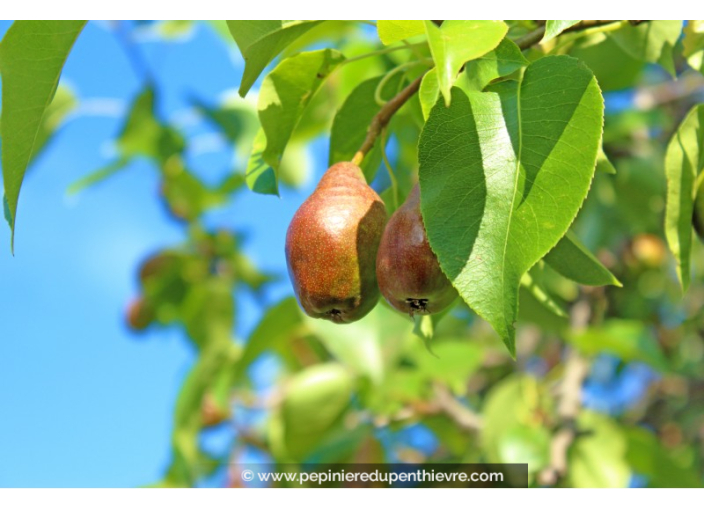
(629, 340)
(349, 128)
(392, 31)
(503, 174)
(32, 54)
(554, 27)
(505, 59)
(458, 41)
(651, 41)
(693, 44)
(573, 260)
(285, 93)
(684, 160)
(260, 41)
(597, 459)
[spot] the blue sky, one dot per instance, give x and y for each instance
(84, 402)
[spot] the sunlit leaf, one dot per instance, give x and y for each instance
(392, 31)
(510, 406)
(597, 459)
(505, 59)
(683, 162)
(503, 174)
(541, 295)
(260, 41)
(693, 43)
(458, 41)
(285, 93)
(603, 164)
(553, 28)
(32, 55)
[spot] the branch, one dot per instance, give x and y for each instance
(460, 414)
(534, 37)
(570, 395)
(382, 118)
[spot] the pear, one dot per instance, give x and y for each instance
(331, 246)
(408, 271)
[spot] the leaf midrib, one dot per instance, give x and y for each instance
(515, 190)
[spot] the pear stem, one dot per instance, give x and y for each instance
(382, 118)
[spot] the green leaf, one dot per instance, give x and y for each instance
(349, 128)
(526, 445)
(629, 340)
(453, 363)
(693, 43)
(684, 160)
(260, 41)
(144, 135)
(235, 121)
(429, 92)
(603, 164)
(32, 55)
(285, 93)
(260, 177)
(651, 41)
(503, 174)
(275, 328)
(533, 286)
(553, 28)
(510, 406)
(186, 466)
(457, 42)
(647, 456)
(98, 176)
(61, 106)
(369, 346)
(613, 67)
(392, 31)
(505, 59)
(573, 260)
(533, 311)
(597, 459)
(208, 312)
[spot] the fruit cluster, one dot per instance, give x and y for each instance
(341, 252)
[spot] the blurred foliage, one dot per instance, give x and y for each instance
(443, 389)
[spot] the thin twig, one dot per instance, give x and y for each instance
(570, 402)
(460, 414)
(534, 37)
(382, 118)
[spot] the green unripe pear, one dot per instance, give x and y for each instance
(408, 271)
(331, 246)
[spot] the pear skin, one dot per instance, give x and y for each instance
(408, 271)
(331, 246)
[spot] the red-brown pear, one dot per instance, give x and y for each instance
(408, 271)
(331, 246)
